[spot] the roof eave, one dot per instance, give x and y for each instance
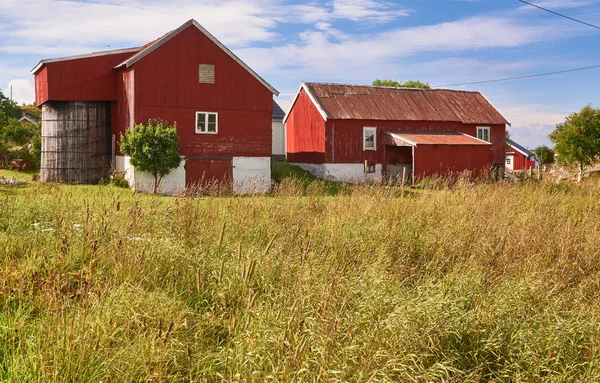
(84, 56)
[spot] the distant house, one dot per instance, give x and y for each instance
(222, 108)
(29, 118)
(278, 132)
(519, 158)
(332, 130)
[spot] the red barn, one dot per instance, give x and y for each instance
(518, 158)
(332, 129)
(221, 107)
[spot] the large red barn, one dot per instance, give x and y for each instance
(221, 107)
(333, 129)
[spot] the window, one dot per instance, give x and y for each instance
(483, 133)
(206, 74)
(508, 161)
(207, 123)
(369, 138)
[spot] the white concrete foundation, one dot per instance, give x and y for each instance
(251, 175)
(143, 182)
(352, 173)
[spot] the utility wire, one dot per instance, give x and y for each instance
(561, 15)
(519, 77)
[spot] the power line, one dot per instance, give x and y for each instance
(559, 14)
(519, 77)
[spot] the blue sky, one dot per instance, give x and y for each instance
(350, 41)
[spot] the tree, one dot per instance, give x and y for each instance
(406, 84)
(9, 107)
(153, 148)
(544, 155)
(577, 139)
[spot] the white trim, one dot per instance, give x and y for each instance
(84, 56)
(312, 98)
(206, 123)
(489, 130)
(135, 58)
(486, 142)
(400, 137)
(520, 151)
(374, 131)
(493, 106)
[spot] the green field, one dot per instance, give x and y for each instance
(474, 283)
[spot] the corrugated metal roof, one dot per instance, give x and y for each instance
(361, 102)
(434, 138)
(278, 113)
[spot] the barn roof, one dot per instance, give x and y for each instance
(85, 56)
(148, 48)
(361, 102)
(278, 113)
(523, 150)
(434, 138)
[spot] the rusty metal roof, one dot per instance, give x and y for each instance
(361, 102)
(434, 138)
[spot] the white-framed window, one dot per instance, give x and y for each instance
(483, 133)
(508, 161)
(369, 138)
(207, 123)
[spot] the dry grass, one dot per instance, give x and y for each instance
(483, 282)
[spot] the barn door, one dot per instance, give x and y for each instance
(203, 173)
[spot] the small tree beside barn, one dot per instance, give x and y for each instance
(153, 148)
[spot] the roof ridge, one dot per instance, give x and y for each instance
(393, 87)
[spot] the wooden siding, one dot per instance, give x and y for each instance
(85, 79)
(520, 162)
(202, 172)
(344, 138)
(167, 87)
(432, 160)
(305, 132)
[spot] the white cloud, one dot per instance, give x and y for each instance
(22, 91)
(531, 124)
(367, 10)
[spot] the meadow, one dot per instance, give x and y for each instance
(478, 282)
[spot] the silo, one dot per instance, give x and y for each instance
(75, 142)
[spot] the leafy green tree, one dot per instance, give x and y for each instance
(32, 110)
(14, 132)
(35, 145)
(9, 107)
(544, 155)
(577, 139)
(406, 84)
(153, 148)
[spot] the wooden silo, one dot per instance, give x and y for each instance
(76, 144)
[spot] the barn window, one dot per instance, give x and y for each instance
(483, 133)
(207, 123)
(206, 74)
(508, 160)
(369, 138)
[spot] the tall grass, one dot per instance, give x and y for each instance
(478, 282)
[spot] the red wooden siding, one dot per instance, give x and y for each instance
(167, 87)
(305, 132)
(430, 160)
(84, 79)
(520, 162)
(208, 171)
(345, 145)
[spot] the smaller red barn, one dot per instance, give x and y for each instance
(519, 158)
(332, 130)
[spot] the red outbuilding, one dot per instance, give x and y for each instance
(519, 158)
(332, 130)
(221, 107)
